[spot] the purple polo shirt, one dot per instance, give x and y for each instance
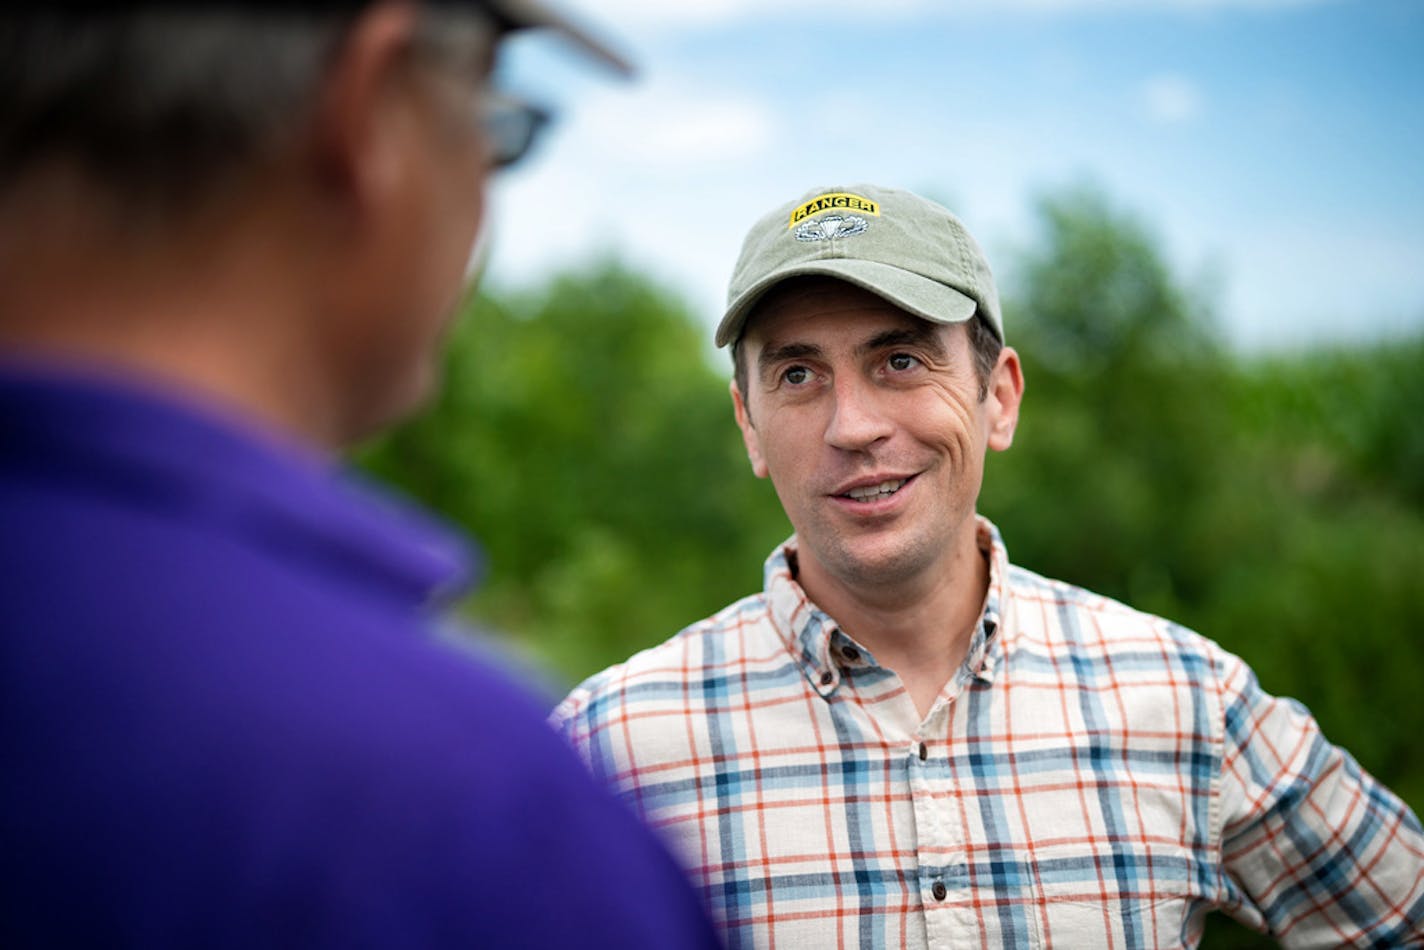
(224, 722)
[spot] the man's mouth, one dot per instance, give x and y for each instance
(875, 492)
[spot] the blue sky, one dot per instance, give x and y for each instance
(1274, 147)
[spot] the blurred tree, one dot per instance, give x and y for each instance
(584, 439)
(1123, 411)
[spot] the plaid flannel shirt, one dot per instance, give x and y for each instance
(1093, 777)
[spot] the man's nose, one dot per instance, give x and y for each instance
(858, 419)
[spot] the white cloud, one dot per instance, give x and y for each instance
(661, 12)
(686, 131)
(642, 16)
(647, 181)
(664, 125)
(1170, 99)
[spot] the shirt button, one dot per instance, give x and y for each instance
(938, 890)
(924, 752)
(851, 654)
(826, 678)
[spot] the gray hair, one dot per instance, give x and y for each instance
(157, 107)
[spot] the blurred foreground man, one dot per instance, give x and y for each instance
(230, 239)
(905, 740)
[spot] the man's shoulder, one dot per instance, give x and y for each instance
(696, 652)
(194, 636)
(1055, 617)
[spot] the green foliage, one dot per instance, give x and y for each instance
(583, 438)
(1123, 391)
(1275, 504)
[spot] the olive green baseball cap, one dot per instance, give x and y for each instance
(893, 243)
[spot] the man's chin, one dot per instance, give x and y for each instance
(412, 397)
(877, 562)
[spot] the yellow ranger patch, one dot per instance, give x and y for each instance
(836, 200)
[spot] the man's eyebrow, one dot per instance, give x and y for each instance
(923, 334)
(777, 352)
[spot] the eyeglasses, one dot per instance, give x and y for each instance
(510, 127)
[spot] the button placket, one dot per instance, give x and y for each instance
(934, 834)
(941, 841)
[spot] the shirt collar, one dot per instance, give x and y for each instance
(814, 638)
(804, 628)
(129, 441)
(996, 622)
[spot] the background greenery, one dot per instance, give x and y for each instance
(1274, 503)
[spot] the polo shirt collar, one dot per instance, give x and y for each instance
(139, 445)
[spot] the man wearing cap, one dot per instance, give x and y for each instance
(906, 741)
(231, 236)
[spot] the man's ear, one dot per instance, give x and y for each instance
(1006, 387)
(356, 150)
(749, 433)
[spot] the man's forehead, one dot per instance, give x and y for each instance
(796, 306)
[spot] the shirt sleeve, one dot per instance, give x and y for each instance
(578, 718)
(1314, 849)
(567, 718)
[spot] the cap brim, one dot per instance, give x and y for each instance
(527, 14)
(925, 298)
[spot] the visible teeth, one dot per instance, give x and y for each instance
(871, 492)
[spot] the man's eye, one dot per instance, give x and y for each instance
(902, 361)
(797, 375)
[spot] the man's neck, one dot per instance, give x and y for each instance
(920, 628)
(204, 314)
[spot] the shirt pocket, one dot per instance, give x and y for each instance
(1123, 896)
